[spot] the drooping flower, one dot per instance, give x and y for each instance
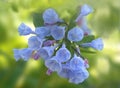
(66, 71)
(24, 29)
(53, 64)
(86, 9)
(84, 27)
(50, 16)
(42, 32)
(58, 32)
(79, 76)
(96, 44)
(76, 63)
(63, 54)
(46, 52)
(17, 54)
(24, 54)
(75, 34)
(34, 42)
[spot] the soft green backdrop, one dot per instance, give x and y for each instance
(104, 66)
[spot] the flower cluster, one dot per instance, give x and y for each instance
(59, 45)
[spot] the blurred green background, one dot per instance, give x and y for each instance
(104, 65)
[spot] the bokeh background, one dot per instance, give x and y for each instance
(104, 65)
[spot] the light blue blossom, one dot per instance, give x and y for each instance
(86, 9)
(79, 76)
(58, 32)
(42, 32)
(46, 52)
(34, 42)
(17, 54)
(53, 64)
(77, 63)
(24, 54)
(96, 44)
(75, 34)
(84, 27)
(63, 54)
(24, 29)
(50, 16)
(66, 71)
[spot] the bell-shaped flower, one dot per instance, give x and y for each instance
(75, 34)
(34, 42)
(42, 32)
(77, 63)
(58, 32)
(84, 27)
(86, 9)
(24, 29)
(96, 44)
(26, 53)
(17, 55)
(79, 76)
(46, 52)
(66, 71)
(63, 54)
(53, 64)
(50, 16)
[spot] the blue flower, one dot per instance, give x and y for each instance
(96, 44)
(25, 54)
(53, 64)
(66, 71)
(86, 9)
(84, 27)
(75, 34)
(50, 16)
(63, 54)
(34, 42)
(77, 63)
(42, 32)
(24, 29)
(46, 52)
(79, 76)
(58, 32)
(17, 54)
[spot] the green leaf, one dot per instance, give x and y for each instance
(87, 50)
(86, 39)
(37, 19)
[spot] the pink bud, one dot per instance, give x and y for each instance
(49, 72)
(36, 56)
(86, 63)
(49, 42)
